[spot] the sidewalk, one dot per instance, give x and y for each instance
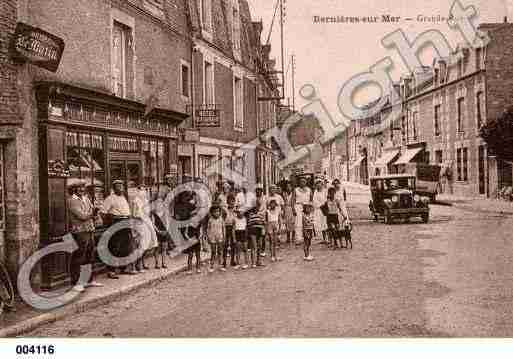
(485, 205)
(26, 318)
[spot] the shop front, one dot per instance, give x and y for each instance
(98, 138)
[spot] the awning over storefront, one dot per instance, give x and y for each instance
(357, 162)
(408, 155)
(386, 158)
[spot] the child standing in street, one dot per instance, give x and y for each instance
(308, 230)
(229, 228)
(215, 234)
(336, 214)
(240, 238)
(256, 231)
(273, 227)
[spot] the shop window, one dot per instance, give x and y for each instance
(154, 162)
(204, 163)
(85, 159)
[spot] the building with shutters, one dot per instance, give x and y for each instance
(441, 109)
(230, 72)
(110, 111)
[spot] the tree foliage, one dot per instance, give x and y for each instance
(498, 134)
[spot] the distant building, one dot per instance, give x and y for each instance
(441, 109)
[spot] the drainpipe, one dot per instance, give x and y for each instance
(193, 114)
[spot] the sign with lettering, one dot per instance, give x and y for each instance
(208, 116)
(37, 47)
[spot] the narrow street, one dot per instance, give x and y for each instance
(450, 277)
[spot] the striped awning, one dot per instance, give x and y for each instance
(408, 155)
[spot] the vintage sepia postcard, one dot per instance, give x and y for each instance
(255, 169)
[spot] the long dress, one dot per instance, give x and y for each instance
(302, 197)
(288, 213)
(319, 198)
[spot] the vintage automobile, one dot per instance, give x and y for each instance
(395, 196)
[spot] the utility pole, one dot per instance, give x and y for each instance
(293, 83)
(282, 20)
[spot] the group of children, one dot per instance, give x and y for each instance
(243, 231)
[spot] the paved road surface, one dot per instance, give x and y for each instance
(451, 277)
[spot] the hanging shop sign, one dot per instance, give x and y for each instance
(37, 47)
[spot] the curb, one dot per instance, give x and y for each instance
(76, 308)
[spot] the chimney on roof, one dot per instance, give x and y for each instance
(505, 19)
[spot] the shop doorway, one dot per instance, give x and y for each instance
(128, 171)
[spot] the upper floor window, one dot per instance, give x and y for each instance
(435, 77)
(236, 29)
(238, 104)
(122, 60)
(459, 123)
(414, 124)
(185, 79)
(438, 131)
(479, 109)
(155, 7)
(479, 54)
(208, 83)
(206, 14)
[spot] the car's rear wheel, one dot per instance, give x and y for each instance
(425, 218)
(388, 217)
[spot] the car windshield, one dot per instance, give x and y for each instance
(393, 183)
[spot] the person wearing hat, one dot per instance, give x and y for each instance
(302, 195)
(341, 192)
(320, 196)
(114, 210)
(81, 219)
(308, 229)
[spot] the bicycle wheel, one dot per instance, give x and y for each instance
(6, 287)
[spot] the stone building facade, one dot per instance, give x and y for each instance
(441, 109)
(110, 111)
(229, 75)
